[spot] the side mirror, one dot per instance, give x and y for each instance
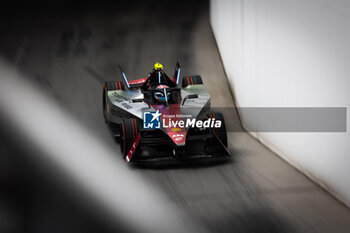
(194, 96)
(140, 101)
(137, 100)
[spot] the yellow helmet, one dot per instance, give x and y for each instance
(158, 66)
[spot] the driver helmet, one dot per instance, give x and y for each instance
(158, 66)
(159, 93)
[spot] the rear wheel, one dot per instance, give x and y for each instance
(129, 130)
(109, 86)
(220, 132)
(114, 85)
(191, 80)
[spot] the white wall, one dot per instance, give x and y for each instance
(292, 53)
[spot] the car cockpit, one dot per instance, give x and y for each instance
(160, 89)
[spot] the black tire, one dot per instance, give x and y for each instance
(219, 132)
(110, 86)
(191, 80)
(104, 103)
(129, 130)
(114, 85)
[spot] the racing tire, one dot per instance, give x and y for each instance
(219, 132)
(114, 86)
(129, 130)
(191, 80)
(109, 86)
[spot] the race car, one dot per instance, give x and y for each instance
(155, 119)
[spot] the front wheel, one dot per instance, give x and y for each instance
(129, 130)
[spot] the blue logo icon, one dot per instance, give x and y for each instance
(151, 120)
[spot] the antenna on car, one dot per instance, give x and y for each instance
(124, 76)
(177, 73)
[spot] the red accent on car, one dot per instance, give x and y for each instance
(132, 149)
(123, 126)
(137, 81)
(177, 136)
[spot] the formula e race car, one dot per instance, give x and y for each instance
(155, 119)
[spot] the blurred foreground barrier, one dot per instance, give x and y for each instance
(84, 162)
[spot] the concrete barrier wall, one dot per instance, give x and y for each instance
(291, 53)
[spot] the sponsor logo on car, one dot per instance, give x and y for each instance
(178, 137)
